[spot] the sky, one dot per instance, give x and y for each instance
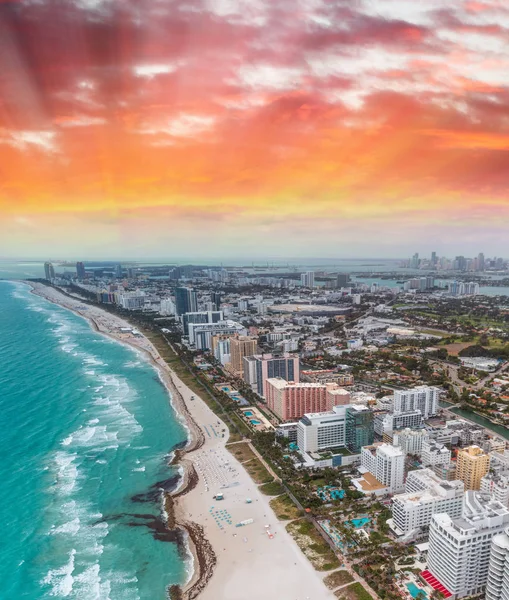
(253, 128)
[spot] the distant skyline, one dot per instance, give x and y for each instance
(257, 128)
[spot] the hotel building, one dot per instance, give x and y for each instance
(459, 548)
(289, 400)
(425, 495)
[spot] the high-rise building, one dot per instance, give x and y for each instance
(186, 300)
(260, 367)
(359, 428)
(497, 585)
(241, 346)
(167, 306)
(434, 259)
(472, 464)
(387, 464)
(423, 398)
(200, 317)
(201, 334)
(480, 262)
(215, 298)
(318, 431)
(388, 423)
(221, 349)
(80, 270)
(342, 280)
(290, 400)
(425, 495)
(118, 271)
(49, 271)
(459, 549)
(460, 263)
(308, 279)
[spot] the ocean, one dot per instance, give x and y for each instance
(87, 430)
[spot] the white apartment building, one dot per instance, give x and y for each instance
(307, 279)
(132, 300)
(496, 484)
(167, 307)
(493, 445)
(425, 495)
(497, 586)
(200, 334)
(385, 403)
(410, 440)
(423, 398)
(459, 549)
(500, 459)
(434, 453)
(222, 351)
(318, 431)
(389, 422)
(386, 463)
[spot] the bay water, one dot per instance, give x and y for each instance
(87, 431)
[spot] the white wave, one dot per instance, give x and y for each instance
(66, 472)
(92, 436)
(71, 527)
(61, 580)
(93, 421)
(140, 469)
(189, 562)
(89, 372)
(92, 360)
(132, 364)
(68, 348)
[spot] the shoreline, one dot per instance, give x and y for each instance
(201, 555)
(223, 559)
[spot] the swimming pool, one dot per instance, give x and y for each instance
(358, 523)
(255, 422)
(248, 413)
(414, 590)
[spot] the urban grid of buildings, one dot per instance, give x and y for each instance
(447, 484)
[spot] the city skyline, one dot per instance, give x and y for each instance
(255, 128)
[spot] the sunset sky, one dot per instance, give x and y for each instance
(253, 128)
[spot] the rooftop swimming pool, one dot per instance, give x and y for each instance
(248, 413)
(415, 590)
(255, 422)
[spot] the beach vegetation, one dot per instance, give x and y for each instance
(337, 578)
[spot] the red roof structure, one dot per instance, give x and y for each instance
(431, 580)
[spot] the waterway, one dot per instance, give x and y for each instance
(476, 418)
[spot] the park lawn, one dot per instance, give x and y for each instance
(257, 471)
(284, 508)
(353, 592)
(242, 452)
(316, 550)
(337, 578)
(272, 489)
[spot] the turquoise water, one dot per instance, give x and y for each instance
(248, 413)
(86, 433)
(358, 523)
(414, 590)
(255, 422)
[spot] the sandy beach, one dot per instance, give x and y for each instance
(251, 562)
